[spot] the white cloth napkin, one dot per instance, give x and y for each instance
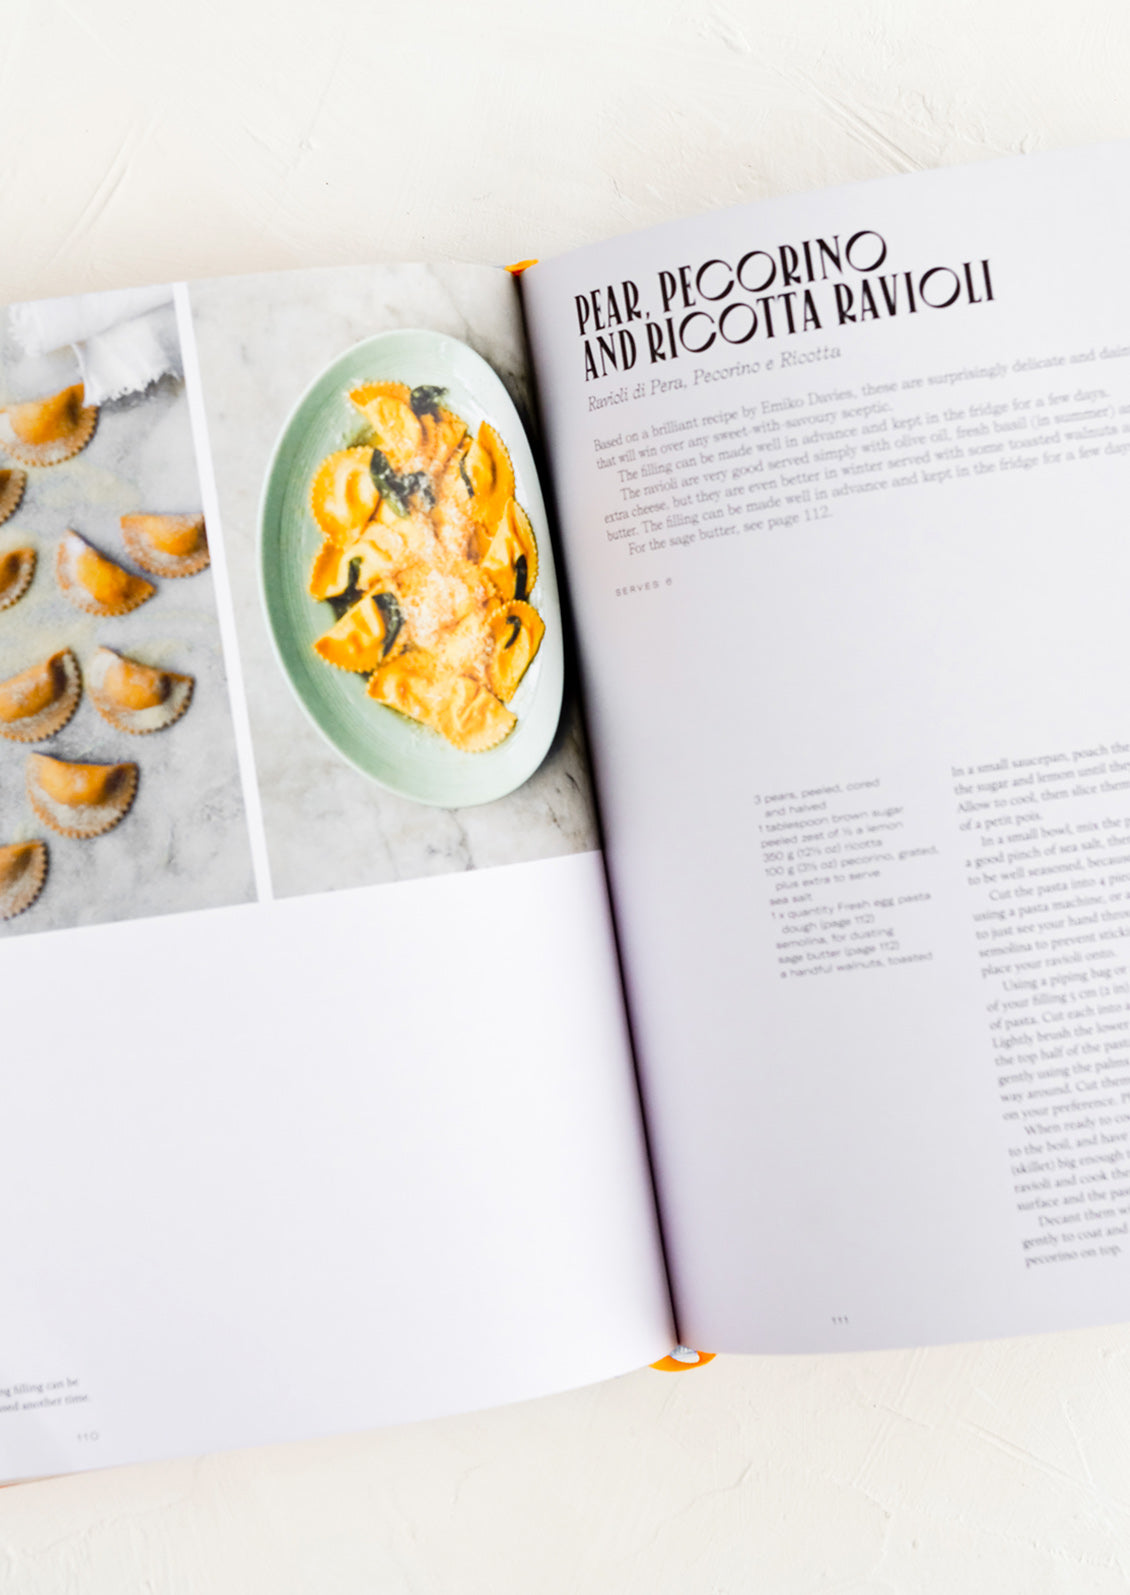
(127, 357)
(124, 339)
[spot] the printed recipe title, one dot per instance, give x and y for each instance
(767, 293)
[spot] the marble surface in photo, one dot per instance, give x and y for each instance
(261, 341)
(183, 845)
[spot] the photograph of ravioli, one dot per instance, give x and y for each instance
(427, 563)
(116, 801)
(306, 377)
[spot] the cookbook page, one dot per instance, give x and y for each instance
(843, 483)
(320, 1110)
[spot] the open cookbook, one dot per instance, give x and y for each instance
(367, 1053)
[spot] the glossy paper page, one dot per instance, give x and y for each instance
(843, 485)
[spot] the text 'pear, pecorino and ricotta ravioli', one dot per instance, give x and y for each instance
(428, 562)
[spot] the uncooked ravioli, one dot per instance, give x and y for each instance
(41, 699)
(48, 431)
(94, 583)
(80, 800)
(12, 484)
(167, 545)
(17, 567)
(23, 870)
(136, 697)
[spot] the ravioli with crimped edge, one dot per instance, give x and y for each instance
(23, 870)
(12, 485)
(80, 800)
(167, 545)
(17, 567)
(48, 431)
(429, 564)
(136, 697)
(41, 699)
(95, 583)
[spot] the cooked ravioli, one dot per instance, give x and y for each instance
(359, 639)
(423, 537)
(413, 683)
(491, 475)
(12, 484)
(17, 567)
(329, 573)
(397, 430)
(511, 559)
(457, 532)
(516, 632)
(40, 700)
(443, 433)
(343, 495)
(94, 583)
(48, 431)
(462, 710)
(23, 870)
(136, 697)
(381, 550)
(167, 545)
(472, 717)
(81, 800)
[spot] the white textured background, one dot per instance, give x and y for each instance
(140, 142)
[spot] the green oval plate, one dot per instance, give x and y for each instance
(404, 757)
